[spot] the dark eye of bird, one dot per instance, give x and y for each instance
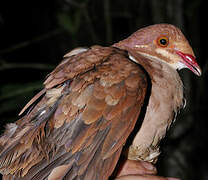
(163, 41)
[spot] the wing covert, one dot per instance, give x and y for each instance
(79, 127)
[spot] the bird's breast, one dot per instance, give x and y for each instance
(165, 99)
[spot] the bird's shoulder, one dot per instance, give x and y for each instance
(80, 60)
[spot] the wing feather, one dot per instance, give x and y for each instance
(78, 128)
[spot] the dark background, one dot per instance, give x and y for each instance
(34, 35)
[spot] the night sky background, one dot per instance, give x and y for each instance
(34, 36)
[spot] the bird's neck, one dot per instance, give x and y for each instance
(166, 97)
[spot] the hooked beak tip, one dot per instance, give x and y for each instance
(190, 62)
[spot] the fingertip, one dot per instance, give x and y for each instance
(148, 166)
(170, 178)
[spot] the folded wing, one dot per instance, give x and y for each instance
(77, 130)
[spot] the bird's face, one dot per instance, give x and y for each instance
(163, 42)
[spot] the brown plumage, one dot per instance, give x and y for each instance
(90, 105)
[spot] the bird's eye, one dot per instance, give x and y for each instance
(163, 41)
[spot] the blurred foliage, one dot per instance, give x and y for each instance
(34, 35)
(11, 90)
(70, 23)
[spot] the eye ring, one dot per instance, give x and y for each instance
(163, 41)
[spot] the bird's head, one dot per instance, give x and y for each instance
(163, 42)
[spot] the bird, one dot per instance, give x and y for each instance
(77, 126)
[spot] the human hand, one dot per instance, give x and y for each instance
(138, 170)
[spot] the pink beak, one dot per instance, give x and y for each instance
(190, 62)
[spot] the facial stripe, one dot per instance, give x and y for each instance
(166, 54)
